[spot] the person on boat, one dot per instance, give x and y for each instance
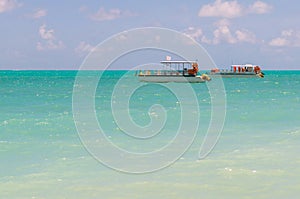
(257, 69)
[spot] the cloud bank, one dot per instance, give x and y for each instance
(8, 5)
(288, 38)
(112, 14)
(232, 9)
(223, 33)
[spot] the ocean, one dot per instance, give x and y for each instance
(44, 154)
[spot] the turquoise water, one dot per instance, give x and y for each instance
(42, 156)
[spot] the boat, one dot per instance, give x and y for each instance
(174, 71)
(246, 70)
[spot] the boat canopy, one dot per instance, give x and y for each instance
(191, 67)
(243, 65)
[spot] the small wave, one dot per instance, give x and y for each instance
(285, 92)
(41, 123)
(238, 171)
(5, 122)
(266, 82)
(294, 132)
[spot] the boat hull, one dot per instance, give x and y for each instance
(238, 75)
(171, 78)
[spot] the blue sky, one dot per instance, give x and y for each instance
(59, 34)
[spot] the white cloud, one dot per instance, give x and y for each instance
(245, 36)
(232, 9)
(223, 33)
(7, 5)
(121, 37)
(260, 7)
(49, 42)
(46, 34)
(288, 38)
(279, 42)
(287, 33)
(39, 13)
(228, 9)
(83, 48)
(103, 15)
(49, 45)
(205, 40)
(196, 34)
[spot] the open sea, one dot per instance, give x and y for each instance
(42, 154)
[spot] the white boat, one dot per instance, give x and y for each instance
(174, 71)
(246, 70)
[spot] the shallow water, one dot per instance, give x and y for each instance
(42, 155)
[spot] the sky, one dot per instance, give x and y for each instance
(60, 34)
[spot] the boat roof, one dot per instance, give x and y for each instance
(244, 65)
(178, 62)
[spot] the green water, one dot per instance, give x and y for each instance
(42, 156)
